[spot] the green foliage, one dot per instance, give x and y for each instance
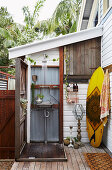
(63, 21)
(31, 60)
(28, 32)
(67, 60)
(30, 19)
(12, 34)
(7, 37)
(67, 138)
(75, 139)
(40, 96)
(55, 59)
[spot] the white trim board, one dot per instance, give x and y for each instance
(43, 45)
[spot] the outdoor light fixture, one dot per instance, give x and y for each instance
(78, 112)
(44, 62)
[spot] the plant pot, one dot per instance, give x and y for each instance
(34, 78)
(66, 142)
(76, 146)
(24, 106)
(39, 100)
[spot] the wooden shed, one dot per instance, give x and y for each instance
(84, 51)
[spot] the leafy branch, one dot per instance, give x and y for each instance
(67, 60)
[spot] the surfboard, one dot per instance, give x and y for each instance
(94, 124)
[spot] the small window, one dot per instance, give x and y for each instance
(106, 5)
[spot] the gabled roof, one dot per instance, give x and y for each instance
(43, 45)
(84, 14)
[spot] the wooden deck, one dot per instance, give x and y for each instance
(76, 161)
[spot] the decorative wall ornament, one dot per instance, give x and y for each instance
(78, 112)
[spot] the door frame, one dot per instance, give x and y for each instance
(18, 122)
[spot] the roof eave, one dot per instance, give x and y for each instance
(55, 42)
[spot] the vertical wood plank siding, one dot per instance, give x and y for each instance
(61, 59)
(7, 124)
(17, 109)
(84, 57)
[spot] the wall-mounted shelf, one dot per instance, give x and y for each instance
(47, 86)
(48, 66)
(34, 106)
(22, 92)
(74, 92)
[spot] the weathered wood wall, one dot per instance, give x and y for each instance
(85, 57)
(7, 124)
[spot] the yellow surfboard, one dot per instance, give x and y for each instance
(94, 124)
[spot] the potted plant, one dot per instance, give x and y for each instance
(39, 98)
(23, 103)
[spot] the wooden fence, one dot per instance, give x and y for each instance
(7, 124)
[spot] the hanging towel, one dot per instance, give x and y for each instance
(105, 96)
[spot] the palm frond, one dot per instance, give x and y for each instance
(38, 5)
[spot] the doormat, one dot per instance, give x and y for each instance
(98, 161)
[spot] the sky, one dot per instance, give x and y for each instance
(15, 8)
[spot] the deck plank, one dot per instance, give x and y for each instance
(65, 167)
(26, 166)
(15, 165)
(54, 165)
(32, 166)
(43, 166)
(49, 166)
(69, 161)
(75, 160)
(81, 151)
(60, 166)
(20, 166)
(79, 160)
(84, 150)
(88, 148)
(37, 166)
(93, 150)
